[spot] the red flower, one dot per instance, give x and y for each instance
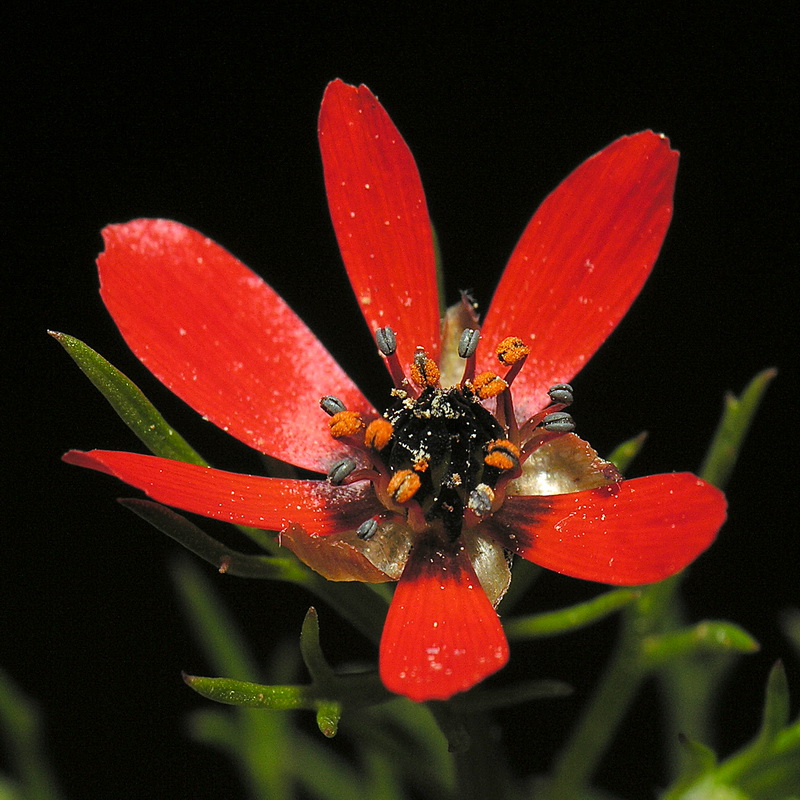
(456, 473)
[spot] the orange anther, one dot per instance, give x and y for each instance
(403, 485)
(502, 454)
(345, 423)
(421, 465)
(424, 371)
(511, 350)
(487, 385)
(378, 433)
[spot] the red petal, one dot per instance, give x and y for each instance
(213, 332)
(441, 635)
(582, 261)
(380, 216)
(637, 531)
(268, 503)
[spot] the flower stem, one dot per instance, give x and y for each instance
(581, 754)
(480, 766)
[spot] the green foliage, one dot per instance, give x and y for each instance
(768, 768)
(21, 728)
(133, 408)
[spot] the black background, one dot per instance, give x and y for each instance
(209, 117)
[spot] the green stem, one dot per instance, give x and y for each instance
(480, 765)
(580, 756)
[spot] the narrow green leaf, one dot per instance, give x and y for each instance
(328, 715)
(737, 417)
(569, 619)
(623, 454)
(224, 559)
(411, 734)
(790, 623)
(776, 705)
(259, 743)
(252, 695)
(20, 728)
(702, 759)
(768, 768)
(508, 696)
(325, 774)
(709, 636)
(315, 661)
(135, 410)
(215, 629)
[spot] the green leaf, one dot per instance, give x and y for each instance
(702, 759)
(252, 695)
(790, 623)
(571, 618)
(135, 410)
(766, 769)
(21, 728)
(509, 696)
(313, 657)
(707, 636)
(776, 706)
(734, 424)
(623, 454)
(230, 562)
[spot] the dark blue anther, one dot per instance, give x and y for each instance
(561, 393)
(366, 530)
(386, 341)
(560, 422)
(468, 343)
(340, 470)
(332, 405)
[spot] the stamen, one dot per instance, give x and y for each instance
(561, 394)
(386, 341)
(403, 485)
(366, 530)
(332, 405)
(468, 343)
(559, 422)
(502, 454)
(378, 433)
(340, 470)
(424, 371)
(511, 350)
(387, 344)
(480, 500)
(487, 385)
(345, 423)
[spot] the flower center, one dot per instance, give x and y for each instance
(438, 455)
(442, 436)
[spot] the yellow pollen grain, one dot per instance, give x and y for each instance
(378, 433)
(487, 385)
(403, 485)
(345, 423)
(424, 371)
(511, 350)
